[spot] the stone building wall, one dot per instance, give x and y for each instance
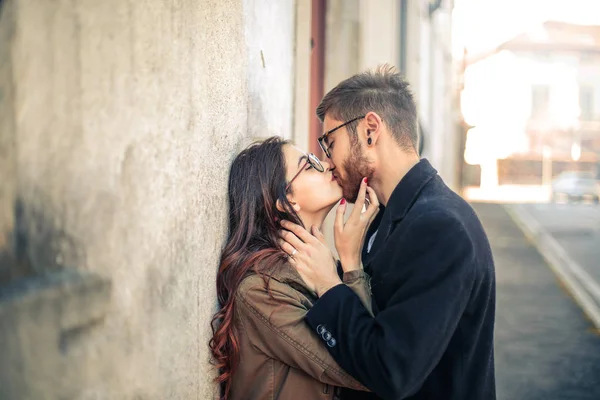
(119, 119)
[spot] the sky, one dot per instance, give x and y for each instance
(481, 25)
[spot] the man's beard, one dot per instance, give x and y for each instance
(356, 167)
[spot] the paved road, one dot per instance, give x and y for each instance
(576, 228)
(545, 347)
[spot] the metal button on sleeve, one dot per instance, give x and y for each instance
(321, 329)
(331, 342)
(326, 335)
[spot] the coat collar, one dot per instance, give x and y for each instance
(403, 197)
(408, 189)
(284, 272)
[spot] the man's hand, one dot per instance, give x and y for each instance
(311, 257)
(349, 237)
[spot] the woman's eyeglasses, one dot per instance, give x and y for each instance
(311, 160)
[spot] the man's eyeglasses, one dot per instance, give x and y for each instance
(324, 139)
(311, 160)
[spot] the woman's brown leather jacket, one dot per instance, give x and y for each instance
(281, 357)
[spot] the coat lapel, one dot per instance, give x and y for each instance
(401, 200)
(382, 232)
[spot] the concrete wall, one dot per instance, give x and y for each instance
(126, 116)
(429, 69)
(303, 49)
(7, 146)
(342, 41)
(269, 34)
(379, 33)
(443, 149)
(414, 56)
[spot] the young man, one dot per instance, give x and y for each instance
(431, 267)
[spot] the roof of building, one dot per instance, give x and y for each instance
(549, 36)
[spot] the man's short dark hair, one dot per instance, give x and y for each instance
(382, 90)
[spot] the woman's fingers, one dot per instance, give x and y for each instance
(373, 208)
(285, 246)
(317, 233)
(292, 240)
(338, 224)
(373, 199)
(360, 200)
(298, 231)
(290, 250)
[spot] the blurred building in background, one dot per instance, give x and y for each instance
(118, 121)
(534, 104)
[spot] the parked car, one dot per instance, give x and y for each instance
(576, 186)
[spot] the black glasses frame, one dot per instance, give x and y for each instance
(313, 161)
(323, 139)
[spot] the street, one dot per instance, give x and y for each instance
(546, 347)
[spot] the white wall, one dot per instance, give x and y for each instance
(379, 33)
(269, 33)
(301, 87)
(344, 28)
(436, 90)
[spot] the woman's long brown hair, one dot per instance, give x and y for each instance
(257, 179)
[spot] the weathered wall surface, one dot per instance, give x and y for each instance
(7, 144)
(269, 32)
(343, 41)
(126, 117)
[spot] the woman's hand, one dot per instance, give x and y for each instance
(350, 236)
(311, 256)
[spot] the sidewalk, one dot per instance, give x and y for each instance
(568, 237)
(546, 349)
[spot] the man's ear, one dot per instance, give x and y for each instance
(280, 207)
(373, 125)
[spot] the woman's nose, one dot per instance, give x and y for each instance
(326, 165)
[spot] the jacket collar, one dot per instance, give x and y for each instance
(403, 197)
(408, 189)
(286, 273)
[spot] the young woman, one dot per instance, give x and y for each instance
(261, 345)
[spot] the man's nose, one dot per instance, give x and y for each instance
(328, 164)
